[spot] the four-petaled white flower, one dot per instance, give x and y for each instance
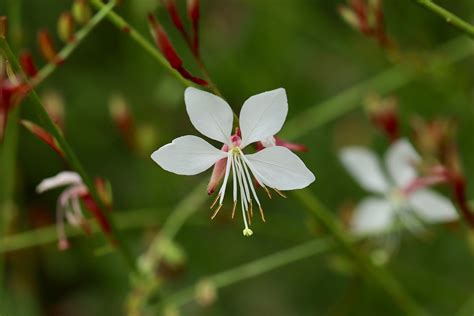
(68, 202)
(261, 117)
(405, 199)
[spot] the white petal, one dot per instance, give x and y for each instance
(187, 155)
(364, 166)
(279, 168)
(263, 115)
(432, 207)
(210, 114)
(372, 215)
(59, 180)
(401, 159)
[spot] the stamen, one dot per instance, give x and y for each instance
(279, 193)
(261, 214)
(251, 208)
(249, 179)
(268, 193)
(226, 177)
(216, 211)
(233, 209)
(215, 201)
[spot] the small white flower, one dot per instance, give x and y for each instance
(261, 117)
(395, 200)
(68, 202)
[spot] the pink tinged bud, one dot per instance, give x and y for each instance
(3, 26)
(43, 135)
(47, 48)
(65, 27)
(217, 173)
(28, 64)
(54, 105)
(63, 244)
(194, 16)
(165, 46)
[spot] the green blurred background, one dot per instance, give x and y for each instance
(249, 46)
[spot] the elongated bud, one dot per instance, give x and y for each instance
(81, 11)
(54, 105)
(47, 48)
(174, 14)
(98, 214)
(164, 44)
(384, 115)
(43, 135)
(349, 16)
(65, 27)
(123, 119)
(105, 191)
(194, 16)
(28, 64)
(3, 26)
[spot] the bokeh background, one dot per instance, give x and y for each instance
(249, 46)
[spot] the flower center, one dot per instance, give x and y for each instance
(243, 185)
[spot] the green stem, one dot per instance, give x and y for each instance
(70, 47)
(124, 26)
(383, 83)
(381, 276)
(70, 156)
(449, 17)
(252, 269)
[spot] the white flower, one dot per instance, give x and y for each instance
(261, 117)
(395, 200)
(68, 202)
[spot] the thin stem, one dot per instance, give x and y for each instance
(383, 83)
(381, 276)
(252, 269)
(70, 156)
(70, 47)
(124, 26)
(449, 17)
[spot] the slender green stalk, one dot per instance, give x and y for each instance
(124, 26)
(252, 269)
(449, 17)
(381, 276)
(70, 156)
(70, 47)
(387, 81)
(129, 219)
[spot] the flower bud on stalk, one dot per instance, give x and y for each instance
(3, 26)
(384, 115)
(194, 16)
(81, 11)
(123, 119)
(173, 13)
(43, 135)
(54, 105)
(28, 65)
(47, 48)
(65, 27)
(169, 52)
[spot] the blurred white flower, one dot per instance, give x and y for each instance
(401, 198)
(261, 117)
(68, 204)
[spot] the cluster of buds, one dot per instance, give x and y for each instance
(436, 139)
(383, 112)
(69, 204)
(367, 17)
(164, 43)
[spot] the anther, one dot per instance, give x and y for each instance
(279, 193)
(268, 193)
(215, 201)
(261, 213)
(233, 209)
(216, 211)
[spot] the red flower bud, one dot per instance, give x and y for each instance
(165, 46)
(47, 48)
(43, 135)
(178, 23)
(28, 64)
(194, 16)
(95, 210)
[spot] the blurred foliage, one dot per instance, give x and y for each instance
(249, 46)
